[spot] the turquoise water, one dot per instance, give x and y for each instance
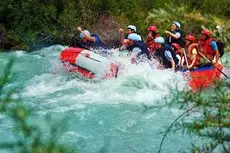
(123, 115)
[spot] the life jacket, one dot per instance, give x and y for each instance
(205, 48)
(97, 44)
(179, 41)
(160, 55)
(189, 54)
(143, 47)
(151, 44)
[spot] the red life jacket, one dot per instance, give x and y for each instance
(205, 48)
(189, 54)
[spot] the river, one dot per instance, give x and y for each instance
(127, 114)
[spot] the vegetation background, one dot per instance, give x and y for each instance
(31, 24)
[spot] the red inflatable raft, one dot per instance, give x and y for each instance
(87, 63)
(203, 77)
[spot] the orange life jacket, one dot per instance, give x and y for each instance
(189, 54)
(205, 48)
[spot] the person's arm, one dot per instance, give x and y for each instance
(194, 54)
(215, 49)
(134, 54)
(176, 35)
(182, 56)
(193, 61)
(170, 59)
(86, 36)
(173, 64)
(121, 36)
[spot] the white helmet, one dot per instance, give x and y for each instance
(219, 28)
(132, 27)
(177, 24)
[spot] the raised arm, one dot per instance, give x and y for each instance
(176, 36)
(87, 36)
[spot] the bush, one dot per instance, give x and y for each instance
(207, 116)
(55, 21)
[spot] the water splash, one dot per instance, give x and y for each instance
(136, 84)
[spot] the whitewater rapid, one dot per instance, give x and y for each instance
(119, 115)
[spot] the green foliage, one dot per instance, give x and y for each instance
(54, 21)
(192, 21)
(28, 137)
(206, 115)
(220, 7)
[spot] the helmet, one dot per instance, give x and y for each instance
(139, 38)
(159, 40)
(177, 24)
(219, 28)
(152, 28)
(206, 32)
(132, 27)
(134, 36)
(86, 32)
(175, 45)
(190, 38)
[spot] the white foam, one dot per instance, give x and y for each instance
(19, 53)
(135, 84)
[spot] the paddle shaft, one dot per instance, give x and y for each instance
(90, 58)
(185, 56)
(214, 66)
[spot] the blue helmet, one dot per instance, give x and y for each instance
(139, 38)
(160, 40)
(177, 24)
(134, 36)
(132, 27)
(86, 32)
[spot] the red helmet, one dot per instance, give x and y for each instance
(175, 45)
(152, 28)
(206, 32)
(190, 38)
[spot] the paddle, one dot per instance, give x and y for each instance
(117, 68)
(214, 66)
(185, 56)
(88, 56)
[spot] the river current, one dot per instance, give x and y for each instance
(127, 114)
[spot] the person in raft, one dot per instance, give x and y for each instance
(191, 59)
(137, 47)
(175, 34)
(89, 41)
(165, 55)
(124, 39)
(179, 54)
(149, 41)
(207, 49)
